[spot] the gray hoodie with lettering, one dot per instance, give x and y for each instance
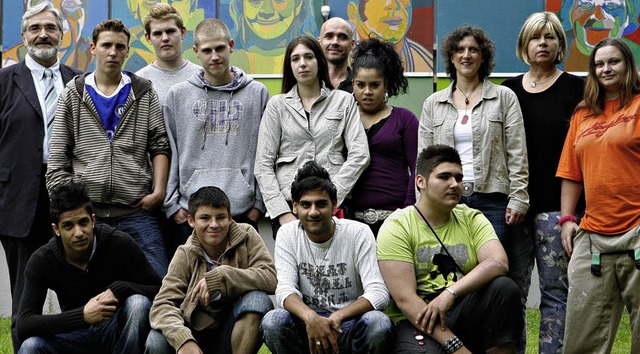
(213, 132)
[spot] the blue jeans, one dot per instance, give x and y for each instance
(493, 206)
(218, 340)
(122, 334)
(144, 227)
(284, 333)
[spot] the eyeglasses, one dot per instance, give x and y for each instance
(34, 29)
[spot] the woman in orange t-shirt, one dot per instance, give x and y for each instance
(602, 154)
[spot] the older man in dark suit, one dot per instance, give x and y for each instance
(28, 98)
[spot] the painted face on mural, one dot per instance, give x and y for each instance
(73, 14)
(270, 19)
(593, 20)
(388, 20)
(183, 6)
(140, 8)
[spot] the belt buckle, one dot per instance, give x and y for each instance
(467, 189)
(370, 216)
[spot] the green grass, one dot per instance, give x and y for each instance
(622, 344)
(5, 336)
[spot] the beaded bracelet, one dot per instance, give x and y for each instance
(566, 218)
(452, 344)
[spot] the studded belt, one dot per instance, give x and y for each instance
(467, 188)
(372, 216)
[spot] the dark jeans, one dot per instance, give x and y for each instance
(514, 239)
(482, 320)
(175, 235)
(218, 340)
(284, 333)
(144, 227)
(493, 206)
(124, 333)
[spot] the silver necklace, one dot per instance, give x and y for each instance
(317, 271)
(535, 83)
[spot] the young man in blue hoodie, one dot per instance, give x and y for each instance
(212, 120)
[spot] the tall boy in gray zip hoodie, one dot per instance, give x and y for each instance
(212, 121)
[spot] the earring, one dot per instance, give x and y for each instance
(386, 97)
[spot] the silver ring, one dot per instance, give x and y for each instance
(318, 343)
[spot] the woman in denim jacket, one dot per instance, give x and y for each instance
(484, 123)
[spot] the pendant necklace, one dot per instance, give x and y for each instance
(535, 83)
(465, 118)
(317, 271)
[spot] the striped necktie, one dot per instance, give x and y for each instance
(50, 100)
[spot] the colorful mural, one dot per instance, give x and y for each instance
(391, 21)
(261, 29)
(588, 21)
(132, 14)
(79, 18)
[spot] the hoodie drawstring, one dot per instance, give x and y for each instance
(206, 116)
(226, 140)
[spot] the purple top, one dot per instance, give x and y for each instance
(389, 181)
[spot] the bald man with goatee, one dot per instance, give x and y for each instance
(336, 40)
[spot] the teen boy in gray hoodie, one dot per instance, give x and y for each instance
(212, 121)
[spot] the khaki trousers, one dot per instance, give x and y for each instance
(595, 303)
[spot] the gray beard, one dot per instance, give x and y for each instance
(43, 54)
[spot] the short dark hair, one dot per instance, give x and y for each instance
(211, 196)
(66, 197)
(312, 177)
(111, 25)
(288, 79)
(432, 156)
(487, 48)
